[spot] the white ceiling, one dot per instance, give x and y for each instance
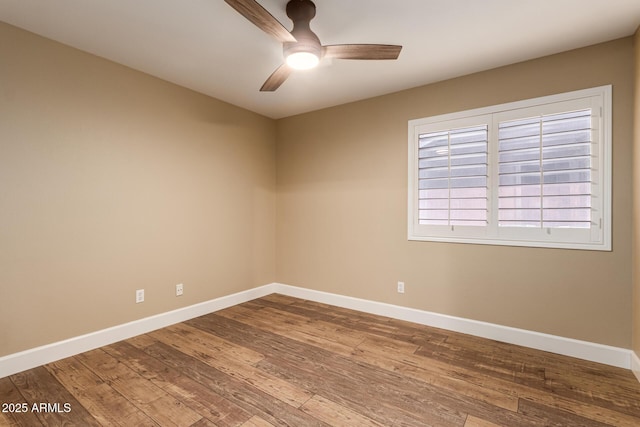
(207, 46)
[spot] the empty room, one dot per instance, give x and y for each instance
(294, 213)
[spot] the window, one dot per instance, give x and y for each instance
(528, 173)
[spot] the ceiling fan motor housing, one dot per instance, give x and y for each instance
(301, 12)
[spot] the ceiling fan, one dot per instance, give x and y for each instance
(301, 47)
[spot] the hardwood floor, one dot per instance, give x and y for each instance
(281, 361)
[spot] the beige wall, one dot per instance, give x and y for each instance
(636, 202)
(342, 220)
(112, 180)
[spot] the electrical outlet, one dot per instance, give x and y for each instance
(401, 287)
(179, 289)
(139, 296)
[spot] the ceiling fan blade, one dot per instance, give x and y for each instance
(362, 51)
(262, 19)
(276, 79)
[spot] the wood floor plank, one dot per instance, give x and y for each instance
(213, 345)
(16, 415)
(321, 334)
(201, 399)
(204, 422)
(397, 410)
(73, 374)
(448, 379)
(318, 329)
(555, 418)
(335, 414)
(389, 345)
(477, 422)
(240, 393)
(150, 399)
(104, 403)
(143, 340)
(495, 387)
(622, 399)
(281, 299)
(359, 321)
(111, 408)
(248, 373)
(5, 421)
(256, 421)
(591, 371)
(480, 358)
(49, 400)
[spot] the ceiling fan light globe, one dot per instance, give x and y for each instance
(302, 60)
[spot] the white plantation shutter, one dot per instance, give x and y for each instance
(529, 173)
(453, 177)
(545, 171)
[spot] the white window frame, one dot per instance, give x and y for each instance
(598, 237)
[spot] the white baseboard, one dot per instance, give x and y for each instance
(635, 365)
(613, 356)
(38, 356)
